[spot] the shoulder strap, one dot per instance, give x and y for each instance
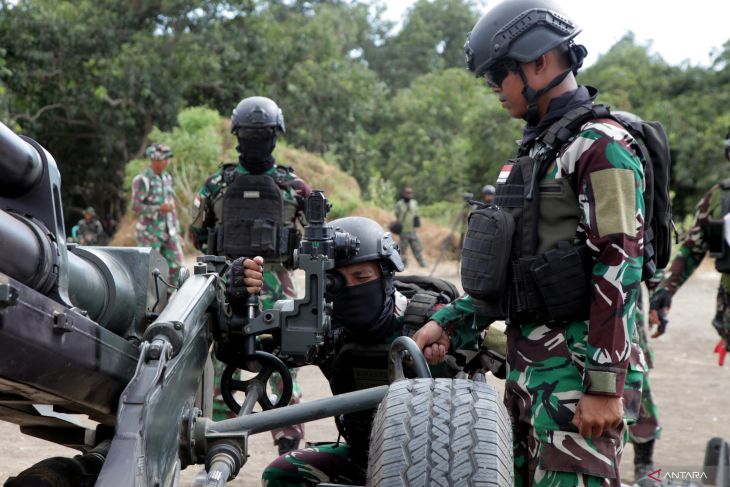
(566, 127)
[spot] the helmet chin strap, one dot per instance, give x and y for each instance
(533, 96)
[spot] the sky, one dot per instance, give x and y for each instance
(678, 30)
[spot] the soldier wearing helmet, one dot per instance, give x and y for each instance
(368, 313)
(488, 192)
(569, 334)
(255, 207)
(153, 201)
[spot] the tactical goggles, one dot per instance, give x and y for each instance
(496, 74)
(259, 133)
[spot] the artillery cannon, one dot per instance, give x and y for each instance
(90, 330)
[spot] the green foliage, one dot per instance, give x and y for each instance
(90, 80)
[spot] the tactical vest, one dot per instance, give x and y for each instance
(252, 218)
(717, 231)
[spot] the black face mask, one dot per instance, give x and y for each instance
(255, 154)
(365, 310)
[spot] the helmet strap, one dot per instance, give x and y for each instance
(532, 96)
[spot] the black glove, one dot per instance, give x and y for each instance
(235, 286)
(416, 221)
(661, 299)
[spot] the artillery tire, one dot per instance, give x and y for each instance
(441, 432)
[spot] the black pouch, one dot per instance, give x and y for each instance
(212, 241)
(526, 300)
(485, 255)
(563, 278)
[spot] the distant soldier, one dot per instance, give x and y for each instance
(89, 229)
(488, 192)
(406, 212)
(153, 201)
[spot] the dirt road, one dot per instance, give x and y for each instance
(693, 394)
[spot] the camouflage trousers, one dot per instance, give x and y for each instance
(169, 247)
(646, 427)
(329, 462)
(411, 239)
(277, 285)
(544, 384)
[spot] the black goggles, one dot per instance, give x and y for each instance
(253, 134)
(496, 74)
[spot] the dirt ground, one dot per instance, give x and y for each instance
(690, 389)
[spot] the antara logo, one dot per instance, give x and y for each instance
(657, 476)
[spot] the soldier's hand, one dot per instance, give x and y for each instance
(245, 277)
(434, 342)
(165, 208)
(595, 414)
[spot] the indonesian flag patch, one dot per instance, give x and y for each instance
(504, 173)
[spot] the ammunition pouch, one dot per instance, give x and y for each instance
(484, 260)
(554, 285)
(714, 231)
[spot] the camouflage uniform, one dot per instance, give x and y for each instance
(277, 278)
(693, 249)
(90, 232)
(406, 212)
(552, 364)
(155, 229)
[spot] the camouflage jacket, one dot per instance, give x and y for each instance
(207, 205)
(694, 245)
(149, 192)
(89, 233)
(406, 213)
(609, 180)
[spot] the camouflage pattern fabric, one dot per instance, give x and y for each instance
(330, 462)
(154, 228)
(551, 365)
(90, 233)
(693, 248)
(646, 427)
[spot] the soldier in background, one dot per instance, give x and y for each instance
(89, 230)
(153, 201)
(406, 213)
(488, 192)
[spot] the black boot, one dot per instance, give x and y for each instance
(644, 463)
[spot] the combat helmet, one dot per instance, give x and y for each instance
(375, 243)
(489, 189)
(257, 112)
(520, 31)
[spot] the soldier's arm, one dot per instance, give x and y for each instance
(692, 250)
(140, 206)
(301, 190)
(199, 225)
(609, 180)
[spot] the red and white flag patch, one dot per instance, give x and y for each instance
(504, 173)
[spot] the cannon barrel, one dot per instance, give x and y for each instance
(20, 164)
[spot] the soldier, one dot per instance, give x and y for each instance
(406, 213)
(488, 192)
(264, 221)
(153, 201)
(367, 315)
(569, 352)
(708, 234)
(89, 230)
